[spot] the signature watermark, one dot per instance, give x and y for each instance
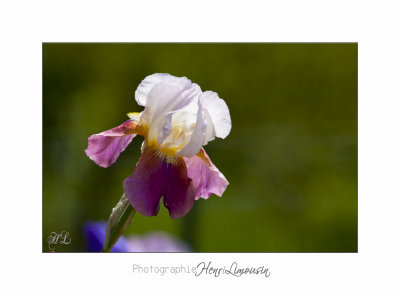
(204, 269)
(234, 270)
(58, 238)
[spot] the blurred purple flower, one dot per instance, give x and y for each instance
(95, 233)
(156, 242)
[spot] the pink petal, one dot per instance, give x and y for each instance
(154, 177)
(105, 147)
(207, 179)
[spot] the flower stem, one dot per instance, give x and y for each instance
(121, 217)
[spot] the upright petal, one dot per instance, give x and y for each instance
(196, 140)
(149, 82)
(219, 119)
(207, 179)
(163, 102)
(105, 147)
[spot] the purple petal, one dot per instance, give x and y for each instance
(156, 242)
(144, 187)
(154, 177)
(179, 193)
(95, 234)
(104, 148)
(207, 179)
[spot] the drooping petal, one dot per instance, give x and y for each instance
(179, 193)
(144, 187)
(105, 147)
(154, 177)
(149, 82)
(219, 119)
(207, 179)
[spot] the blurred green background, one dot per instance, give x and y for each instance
(291, 157)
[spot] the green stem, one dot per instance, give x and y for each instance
(120, 219)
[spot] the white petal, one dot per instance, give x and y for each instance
(193, 146)
(218, 114)
(149, 82)
(178, 128)
(209, 134)
(163, 101)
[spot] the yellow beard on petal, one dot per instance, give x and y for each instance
(134, 116)
(174, 142)
(168, 149)
(167, 157)
(136, 125)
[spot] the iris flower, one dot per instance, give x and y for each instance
(177, 121)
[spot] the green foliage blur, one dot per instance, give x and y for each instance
(291, 157)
